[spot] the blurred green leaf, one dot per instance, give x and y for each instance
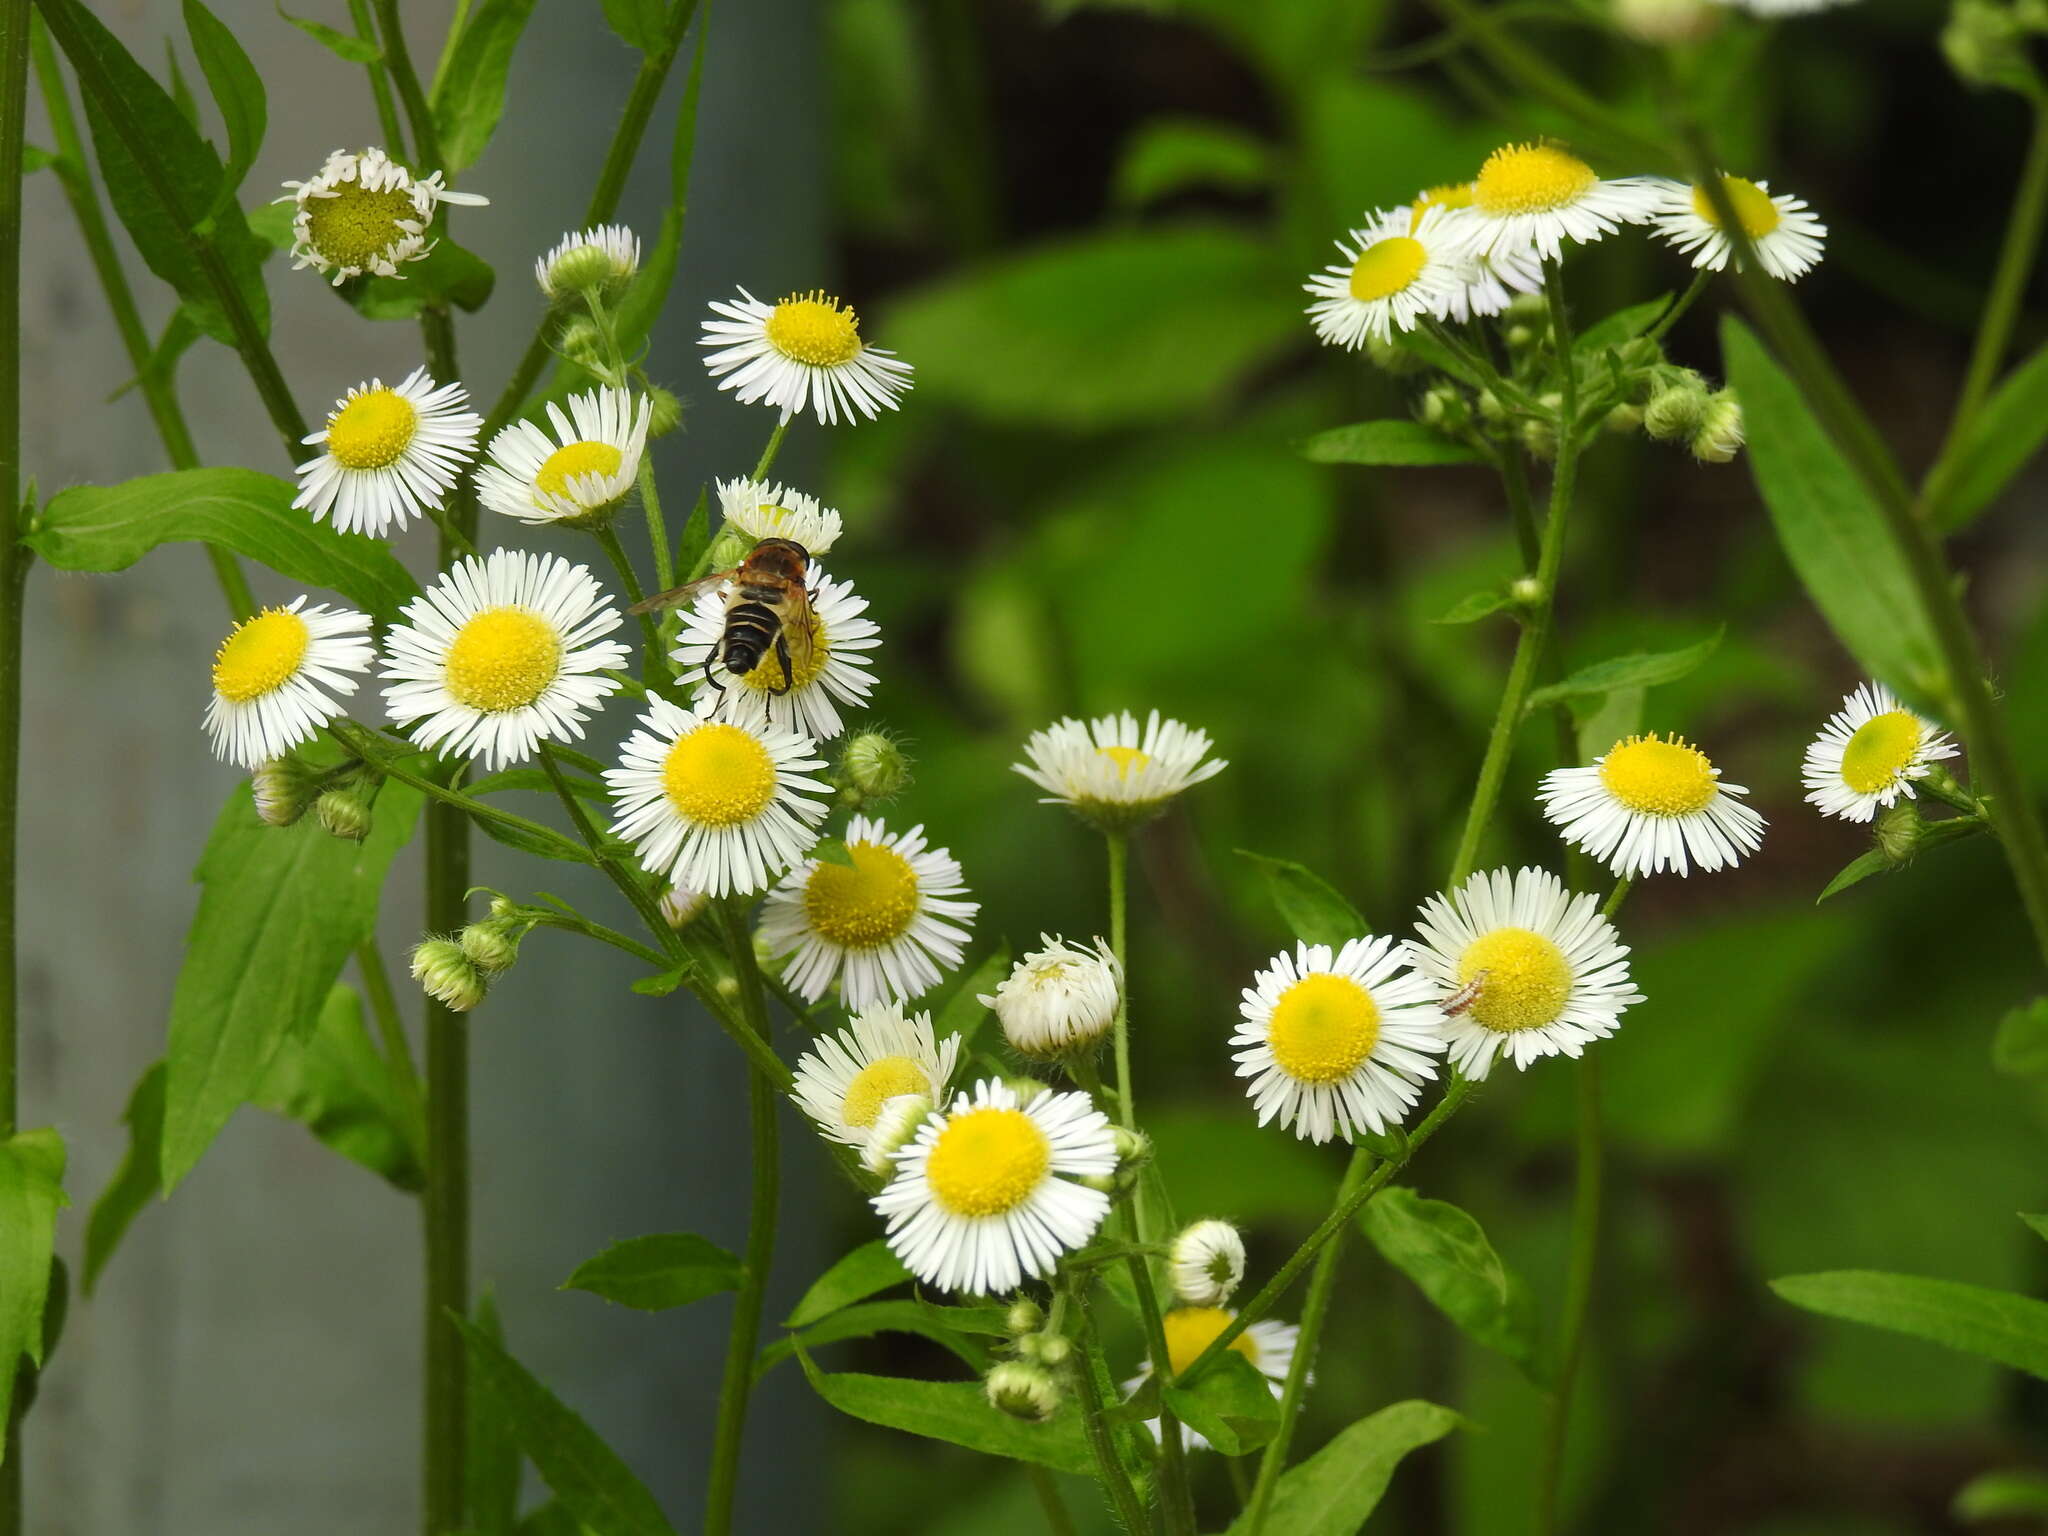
(1336, 1490)
(957, 1412)
(2001, 440)
(1475, 606)
(1443, 1250)
(1308, 904)
(338, 1087)
(135, 1182)
(1168, 155)
(1232, 1406)
(1220, 1162)
(1932, 835)
(963, 1013)
(654, 1273)
(2039, 1224)
(1347, 125)
(1606, 718)
(1623, 325)
(344, 45)
(491, 1463)
(1999, 1325)
(1644, 669)
(237, 91)
(447, 274)
(2020, 1048)
(469, 96)
(1387, 442)
(31, 1194)
(869, 1268)
(638, 22)
(2001, 1496)
(951, 1328)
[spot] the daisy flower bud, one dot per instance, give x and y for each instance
(489, 946)
(1719, 437)
(1676, 410)
(601, 260)
(682, 906)
(1623, 418)
(1023, 1390)
(582, 343)
(664, 411)
(282, 789)
(1061, 999)
(1208, 1263)
(445, 974)
(1051, 1350)
(1025, 1316)
(1898, 833)
(1390, 357)
(343, 812)
(875, 768)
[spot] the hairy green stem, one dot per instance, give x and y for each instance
(1057, 1520)
(14, 29)
(650, 634)
(419, 114)
(767, 459)
(371, 749)
(380, 80)
(1119, 865)
(1701, 280)
(1109, 1467)
(2009, 284)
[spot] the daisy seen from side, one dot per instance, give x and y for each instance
(275, 677)
(1651, 803)
(576, 476)
(1872, 750)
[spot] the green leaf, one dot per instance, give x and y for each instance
(447, 274)
(1604, 719)
(1639, 669)
(181, 91)
(551, 845)
(1307, 903)
(2013, 1495)
(281, 909)
(1831, 530)
(1623, 325)
(237, 91)
(1443, 1250)
(583, 1472)
(2020, 1048)
(2038, 1223)
(1474, 606)
(491, 1463)
(31, 1194)
(643, 302)
(470, 95)
(869, 1268)
(109, 528)
(637, 22)
(957, 1412)
(1336, 1490)
(1855, 872)
(1387, 442)
(1998, 1325)
(654, 1273)
(1232, 1406)
(1932, 835)
(346, 45)
(35, 158)
(963, 1013)
(665, 982)
(951, 1328)
(1168, 155)
(135, 1183)
(536, 780)
(338, 1087)
(2002, 438)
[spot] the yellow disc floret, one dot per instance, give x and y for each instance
(880, 1080)
(814, 329)
(1657, 777)
(1190, 1330)
(1752, 204)
(1386, 267)
(373, 429)
(1530, 178)
(502, 659)
(719, 776)
(1322, 1028)
(355, 225)
(1526, 983)
(987, 1161)
(865, 906)
(573, 462)
(1128, 760)
(1882, 749)
(259, 655)
(805, 663)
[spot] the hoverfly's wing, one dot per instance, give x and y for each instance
(800, 629)
(675, 597)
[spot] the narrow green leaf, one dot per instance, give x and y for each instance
(471, 93)
(1932, 835)
(654, 1273)
(2014, 1495)
(338, 1087)
(550, 845)
(958, 1329)
(643, 302)
(637, 22)
(1640, 669)
(491, 1462)
(957, 1412)
(447, 274)
(237, 91)
(1336, 1490)
(869, 1268)
(31, 1194)
(1623, 325)
(963, 1012)
(2020, 1048)
(1170, 155)
(1443, 1250)
(832, 850)
(35, 158)
(1606, 718)
(1232, 1406)
(695, 536)
(181, 90)
(2039, 1223)
(536, 780)
(2002, 439)
(1855, 872)
(1307, 903)
(1387, 442)
(135, 1182)
(664, 982)
(1998, 1325)
(1474, 606)
(342, 44)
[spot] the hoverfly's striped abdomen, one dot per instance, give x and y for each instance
(750, 629)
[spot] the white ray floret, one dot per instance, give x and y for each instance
(275, 675)
(1650, 804)
(390, 453)
(803, 353)
(1785, 233)
(581, 472)
(1528, 200)
(1870, 752)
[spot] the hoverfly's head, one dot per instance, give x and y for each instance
(784, 555)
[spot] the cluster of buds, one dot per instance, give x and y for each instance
(1682, 408)
(456, 972)
(1028, 1386)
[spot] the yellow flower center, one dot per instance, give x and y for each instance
(260, 654)
(1754, 209)
(355, 224)
(878, 1081)
(987, 1161)
(372, 430)
(1386, 267)
(1452, 195)
(866, 906)
(1527, 979)
(1322, 1028)
(1190, 1330)
(504, 658)
(1530, 178)
(1880, 751)
(816, 330)
(1128, 760)
(573, 462)
(719, 776)
(1659, 778)
(805, 663)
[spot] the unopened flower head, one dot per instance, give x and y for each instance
(604, 258)
(1785, 234)
(578, 475)
(882, 1054)
(1190, 1330)
(389, 453)
(875, 768)
(1719, 436)
(344, 812)
(1521, 968)
(502, 653)
(1023, 1389)
(1399, 269)
(1869, 754)
(1649, 804)
(281, 789)
(364, 212)
(827, 669)
(764, 511)
(1529, 199)
(275, 677)
(1114, 772)
(491, 946)
(804, 353)
(681, 906)
(895, 1127)
(1059, 999)
(1207, 1261)
(446, 974)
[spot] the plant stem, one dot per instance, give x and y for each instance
(370, 748)
(426, 141)
(380, 81)
(1057, 1520)
(1119, 864)
(14, 29)
(650, 634)
(2009, 284)
(1109, 1466)
(1676, 312)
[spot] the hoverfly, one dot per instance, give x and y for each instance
(768, 608)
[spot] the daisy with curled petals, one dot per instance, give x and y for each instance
(881, 1055)
(1528, 199)
(272, 674)
(391, 454)
(604, 257)
(364, 212)
(1652, 804)
(1784, 232)
(984, 1198)
(804, 353)
(717, 807)
(1112, 772)
(1401, 268)
(1335, 1043)
(886, 925)
(1268, 1345)
(764, 511)
(1486, 284)
(830, 671)
(1059, 999)
(1521, 968)
(1206, 1262)
(575, 477)
(501, 654)
(1869, 753)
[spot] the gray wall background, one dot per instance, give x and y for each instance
(250, 1363)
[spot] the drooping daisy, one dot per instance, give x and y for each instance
(364, 212)
(1531, 198)
(603, 257)
(1652, 804)
(764, 511)
(500, 654)
(804, 353)
(829, 671)
(1400, 268)
(1058, 999)
(1521, 968)
(1334, 1043)
(885, 926)
(881, 1055)
(272, 676)
(984, 1198)
(1783, 231)
(1869, 753)
(392, 454)
(1113, 773)
(719, 807)
(580, 474)
(1486, 284)
(1206, 1261)
(1191, 1330)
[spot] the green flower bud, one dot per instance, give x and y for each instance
(874, 768)
(1719, 435)
(282, 788)
(1623, 418)
(1023, 1390)
(1025, 1316)
(1638, 353)
(1538, 437)
(445, 974)
(489, 946)
(1444, 407)
(681, 906)
(732, 545)
(1052, 1350)
(1986, 45)
(664, 411)
(1674, 411)
(1520, 338)
(582, 343)
(343, 812)
(1897, 833)
(1526, 590)
(1393, 358)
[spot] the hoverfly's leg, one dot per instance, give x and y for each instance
(710, 676)
(788, 672)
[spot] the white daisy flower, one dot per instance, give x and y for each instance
(580, 474)
(1785, 234)
(1334, 1043)
(1651, 804)
(272, 676)
(764, 511)
(364, 212)
(1058, 999)
(1869, 753)
(1521, 968)
(1113, 773)
(603, 257)
(830, 671)
(984, 1198)
(500, 654)
(719, 807)
(392, 454)
(881, 1055)
(1190, 1330)
(1401, 267)
(804, 353)
(886, 926)
(1486, 284)
(1531, 198)
(1206, 1262)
